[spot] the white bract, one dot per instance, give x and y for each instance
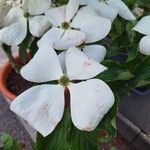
(110, 8)
(15, 2)
(4, 9)
(95, 52)
(143, 27)
(72, 27)
(19, 17)
(43, 106)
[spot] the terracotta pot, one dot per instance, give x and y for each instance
(4, 71)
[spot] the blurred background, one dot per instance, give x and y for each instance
(133, 118)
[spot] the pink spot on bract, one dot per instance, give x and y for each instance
(87, 129)
(45, 110)
(87, 63)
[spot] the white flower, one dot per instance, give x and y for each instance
(4, 9)
(143, 27)
(5, 6)
(43, 106)
(17, 21)
(14, 2)
(95, 52)
(110, 8)
(72, 27)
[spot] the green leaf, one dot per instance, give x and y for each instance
(132, 53)
(115, 72)
(109, 123)
(6, 140)
(58, 139)
(61, 2)
(129, 29)
(67, 137)
(120, 87)
(9, 143)
(80, 140)
(33, 47)
(23, 47)
(117, 29)
(143, 83)
(142, 72)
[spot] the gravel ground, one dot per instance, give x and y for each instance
(11, 125)
(119, 143)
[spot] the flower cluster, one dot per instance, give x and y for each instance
(110, 8)
(68, 53)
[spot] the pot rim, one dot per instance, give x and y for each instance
(4, 71)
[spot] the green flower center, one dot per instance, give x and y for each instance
(81, 46)
(65, 25)
(64, 81)
(26, 15)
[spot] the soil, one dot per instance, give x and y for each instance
(21, 86)
(119, 143)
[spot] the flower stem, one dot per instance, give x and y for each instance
(12, 61)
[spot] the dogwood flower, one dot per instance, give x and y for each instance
(4, 9)
(143, 27)
(15, 2)
(110, 8)
(72, 27)
(43, 106)
(95, 52)
(16, 21)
